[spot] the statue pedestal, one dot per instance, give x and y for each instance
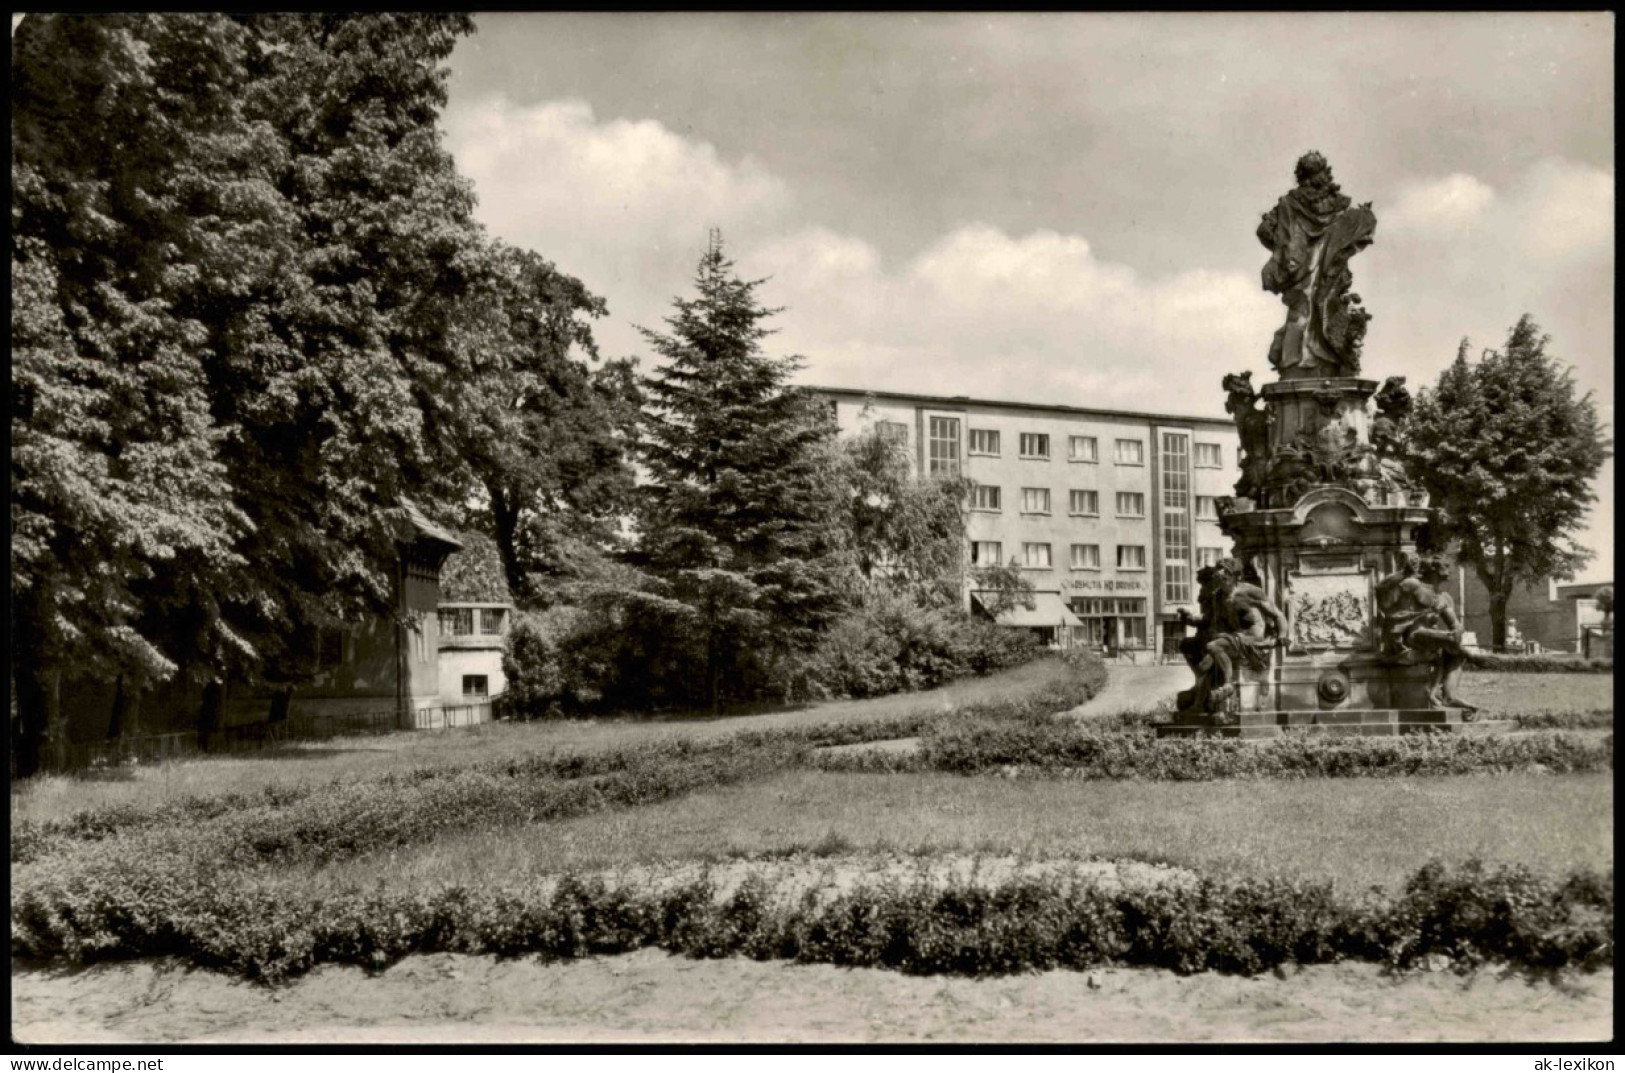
(1320, 562)
(1370, 723)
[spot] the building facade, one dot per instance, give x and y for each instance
(472, 637)
(1548, 615)
(1108, 514)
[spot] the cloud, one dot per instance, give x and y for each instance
(1564, 212)
(1440, 206)
(623, 204)
(1037, 316)
(1556, 213)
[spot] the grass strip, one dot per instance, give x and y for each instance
(396, 808)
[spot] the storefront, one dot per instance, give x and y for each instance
(1111, 622)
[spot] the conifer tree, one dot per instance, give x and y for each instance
(738, 515)
(1508, 452)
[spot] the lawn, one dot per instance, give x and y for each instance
(349, 759)
(1356, 832)
(1525, 693)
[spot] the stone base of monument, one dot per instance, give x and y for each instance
(1341, 723)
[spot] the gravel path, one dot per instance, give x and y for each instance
(1132, 688)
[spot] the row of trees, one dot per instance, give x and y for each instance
(253, 315)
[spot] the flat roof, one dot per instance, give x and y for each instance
(965, 400)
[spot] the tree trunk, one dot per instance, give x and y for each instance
(505, 519)
(117, 719)
(1498, 621)
(281, 701)
(37, 710)
(208, 716)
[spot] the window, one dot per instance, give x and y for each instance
(985, 552)
(1131, 556)
(1084, 449)
(1035, 500)
(944, 454)
(456, 621)
(1176, 583)
(1207, 509)
(1133, 632)
(1034, 445)
(1131, 504)
(1207, 456)
(984, 441)
(1176, 517)
(1130, 453)
(892, 432)
(985, 497)
(1083, 501)
(1086, 556)
(1208, 556)
(476, 685)
(1035, 556)
(491, 619)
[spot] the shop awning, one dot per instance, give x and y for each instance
(1048, 610)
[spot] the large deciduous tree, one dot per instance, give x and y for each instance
(1508, 450)
(237, 248)
(538, 432)
(738, 516)
(904, 532)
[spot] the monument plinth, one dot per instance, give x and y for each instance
(1326, 621)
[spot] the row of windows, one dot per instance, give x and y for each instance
(1080, 501)
(944, 446)
(1082, 556)
(460, 621)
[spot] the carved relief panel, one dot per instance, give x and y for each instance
(1329, 609)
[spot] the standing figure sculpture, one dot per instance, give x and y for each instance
(1311, 234)
(1238, 628)
(1419, 625)
(1253, 425)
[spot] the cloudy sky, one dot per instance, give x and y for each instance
(1057, 206)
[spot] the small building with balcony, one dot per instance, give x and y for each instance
(470, 643)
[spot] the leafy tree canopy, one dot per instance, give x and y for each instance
(1508, 451)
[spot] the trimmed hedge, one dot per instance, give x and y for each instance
(1471, 915)
(1546, 663)
(1065, 749)
(334, 820)
(1593, 719)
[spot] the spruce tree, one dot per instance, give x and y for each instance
(738, 515)
(1508, 452)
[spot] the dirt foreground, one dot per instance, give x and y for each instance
(650, 996)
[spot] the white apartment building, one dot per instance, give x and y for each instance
(1108, 513)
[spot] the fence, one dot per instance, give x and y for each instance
(63, 757)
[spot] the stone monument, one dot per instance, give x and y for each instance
(1326, 621)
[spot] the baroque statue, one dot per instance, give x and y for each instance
(1253, 425)
(1311, 233)
(1419, 624)
(1239, 625)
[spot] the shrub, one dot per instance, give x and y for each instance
(1053, 748)
(1594, 719)
(1545, 663)
(184, 908)
(531, 665)
(892, 644)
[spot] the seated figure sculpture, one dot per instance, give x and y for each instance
(1239, 625)
(1419, 625)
